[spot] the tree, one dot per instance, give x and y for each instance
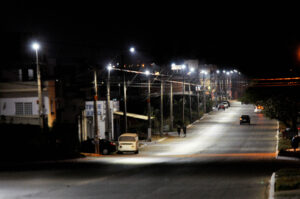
(281, 103)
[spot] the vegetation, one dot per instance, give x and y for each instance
(281, 103)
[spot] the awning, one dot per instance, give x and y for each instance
(133, 115)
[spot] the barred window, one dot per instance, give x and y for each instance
(23, 108)
(28, 108)
(19, 108)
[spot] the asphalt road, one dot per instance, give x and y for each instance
(219, 158)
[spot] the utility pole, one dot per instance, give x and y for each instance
(190, 102)
(125, 103)
(171, 106)
(108, 111)
(149, 109)
(40, 94)
(198, 111)
(204, 95)
(183, 92)
(96, 130)
(161, 107)
(36, 47)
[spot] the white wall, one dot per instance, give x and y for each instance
(7, 105)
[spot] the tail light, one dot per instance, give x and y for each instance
(112, 143)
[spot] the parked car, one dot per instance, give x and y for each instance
(225, 104)
(245, 119)
(106, 147)
(128, 142)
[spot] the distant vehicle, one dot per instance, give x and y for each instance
(106, 147)
(221, 106)
(225, 104)
(128, 142)
(258, 109)
(245, 119)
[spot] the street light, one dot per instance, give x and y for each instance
(132, 50)
(147, 73)
(204, 95)
(36, 47)
(108, 111)
(190, 97)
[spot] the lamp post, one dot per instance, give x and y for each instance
(183, 92)
(132, 51)
(96, 129)
(204, 95)
(36, 47)
(149, 106)
(190, 96)
(108, 110)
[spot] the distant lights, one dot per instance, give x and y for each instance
(218, 71)
(203, 72)
(147, 72)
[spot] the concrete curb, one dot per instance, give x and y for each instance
(272, 187)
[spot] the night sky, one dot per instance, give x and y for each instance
(259, 40)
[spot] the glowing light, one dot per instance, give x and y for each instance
(109, 67)
(132, 50)
(147, 72)
(36, 46)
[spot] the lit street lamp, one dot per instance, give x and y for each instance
(204, 95)
(147, 73)
(108, 111)
(132, 51)
(36, 47)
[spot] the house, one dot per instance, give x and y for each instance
(19, 102)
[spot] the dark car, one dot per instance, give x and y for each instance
(245, 119)
(106, 147)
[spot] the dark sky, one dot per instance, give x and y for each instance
(257, 39)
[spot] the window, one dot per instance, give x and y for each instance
(28, 108)
(19, 108)
(30, 74)
(23, 108)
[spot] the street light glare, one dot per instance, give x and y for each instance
(35, 46)
(192, 70)
(147, 72)
(132, 50)
(109, 67)
(183, 66)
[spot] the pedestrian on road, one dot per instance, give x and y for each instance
(178, 130)
(184, 130)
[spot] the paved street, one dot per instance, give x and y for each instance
(219, 158)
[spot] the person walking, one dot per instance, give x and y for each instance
(184, 130)
(178, 130)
